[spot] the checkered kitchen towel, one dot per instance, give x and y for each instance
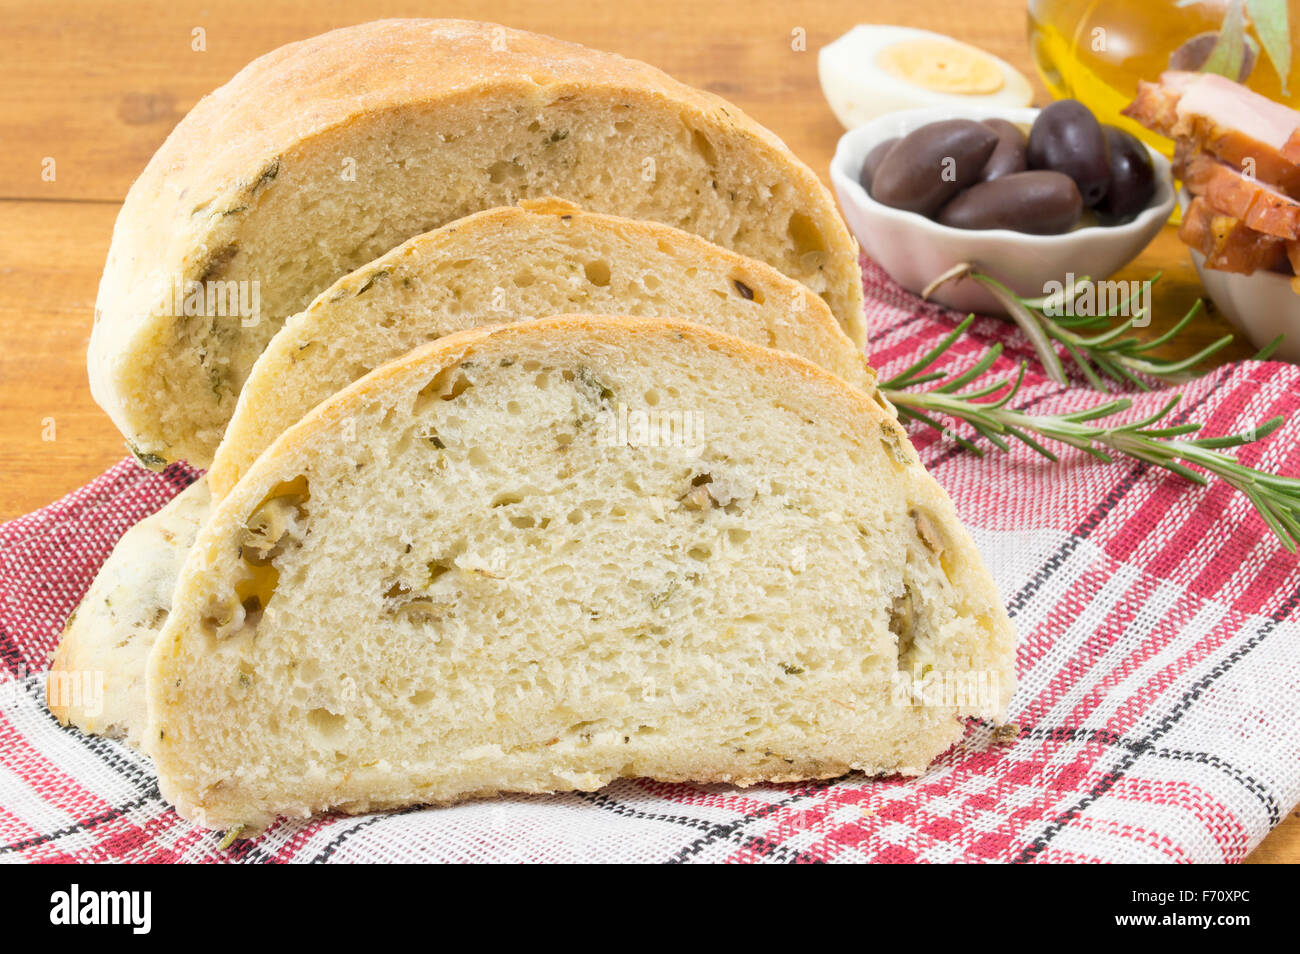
(1158, 708)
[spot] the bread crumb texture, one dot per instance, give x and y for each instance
(471, 572)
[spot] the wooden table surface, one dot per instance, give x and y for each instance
(96, 87)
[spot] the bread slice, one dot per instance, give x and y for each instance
(324, 154)
(429, 286)
(546, 258)
(96, 679)
(545, 555)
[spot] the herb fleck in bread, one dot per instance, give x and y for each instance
(324, 154)
(544, 259)
(97, 676)
(453, 579)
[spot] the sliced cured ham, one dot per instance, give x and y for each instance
(1232, 192)
(1227, 120)
(1227, 243)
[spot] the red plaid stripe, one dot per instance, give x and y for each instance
(1159, 705)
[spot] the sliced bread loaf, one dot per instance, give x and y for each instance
(554, 257)
(324, 154)
(544, 259)
(96, 679)
(544, 555)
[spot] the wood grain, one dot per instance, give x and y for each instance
(96, 86)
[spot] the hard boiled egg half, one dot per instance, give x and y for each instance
(875, 69)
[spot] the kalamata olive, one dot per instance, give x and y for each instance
(1009, 154)
(1066, 137)
(930, 165)
(1132, 177)
(873, 160)
(1040, 202)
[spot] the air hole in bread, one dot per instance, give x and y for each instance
(219, 617)
(439, 568)
(329, 728)
(255, 590)
(704, 146)
(309, 672)
(807, 238)
(447, 385)
(598, 273)
(417, 610)
(902, 623)
(253, 610)
(504, 170)
(268, 529)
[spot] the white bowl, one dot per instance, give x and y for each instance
(915, 250)
(1262, 305)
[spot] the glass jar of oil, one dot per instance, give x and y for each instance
(1095, 51)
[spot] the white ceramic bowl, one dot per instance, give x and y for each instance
(915, 250)
(1262, 305)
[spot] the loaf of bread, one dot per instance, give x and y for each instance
(544, 259)
(324, 154)
(541, 556)
(96, 679)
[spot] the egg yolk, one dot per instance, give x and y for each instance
(942, 67)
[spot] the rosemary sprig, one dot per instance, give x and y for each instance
(1099, 350)
(985, 408)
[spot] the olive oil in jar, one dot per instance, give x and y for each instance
(1096, 51)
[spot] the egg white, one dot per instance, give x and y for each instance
(858, 89)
